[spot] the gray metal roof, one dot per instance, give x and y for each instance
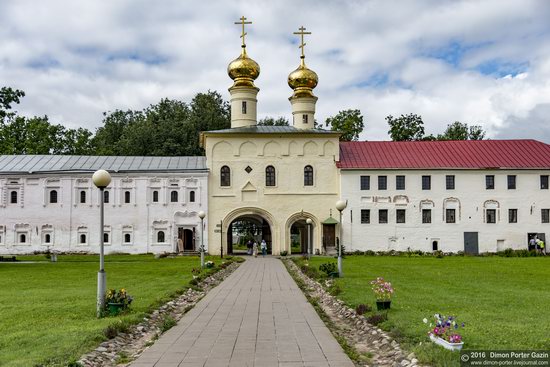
(255, 129)
(83, 163)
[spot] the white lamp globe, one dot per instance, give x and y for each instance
(101, 178)
(202, 214)
(341, 205)
(309, 221)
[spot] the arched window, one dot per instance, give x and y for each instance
(155, 196)
(160, 236)
(53, 196)
(174, 197)
(82, 238)
(47, 238)
(270, 176)
(127, 197)
(22, 238)
(308, 175)
(191, 196)
(105, 237)
(127, 238)
(106, 197)
(13, 197)
(225, 176)
(82, 197)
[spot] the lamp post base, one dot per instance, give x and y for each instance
(340, 273)
(101, 287)
(202, 259)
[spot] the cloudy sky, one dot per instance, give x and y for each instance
(480, 62)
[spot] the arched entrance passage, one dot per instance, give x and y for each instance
(298, 234)
(246, 224)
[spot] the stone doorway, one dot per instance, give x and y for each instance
(249, 227)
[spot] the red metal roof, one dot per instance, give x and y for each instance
(468, 154)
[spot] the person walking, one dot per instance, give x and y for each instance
(249, 247)
(263, 247)
(255, 249)
(532, 243)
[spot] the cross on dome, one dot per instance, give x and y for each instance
(243, 33)
(301, 32)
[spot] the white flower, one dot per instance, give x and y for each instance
(425, 320)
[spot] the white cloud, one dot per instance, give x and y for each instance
(77, 59)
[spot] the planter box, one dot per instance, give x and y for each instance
(115, 308)
(445, 344)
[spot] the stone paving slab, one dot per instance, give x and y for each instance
(256, 317)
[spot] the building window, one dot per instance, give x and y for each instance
(105, 237)
(512, 215)
(308, 176)
(450, 182)
(511, 182)
(174, 197)
(400, 216)
(82, 238)
(491, 216)
(545, 214)
(270, 176)
(53, 197)
(365, 216)
(225, 176)
(192, 196)
(382, 182)
(365, 182)
(160, 236)
(82, 197)
(243, 107)
(106, 197)
(400, 182)
(383, 216)
(155, 196)
(127, 238)
(489, 182)
(450, 216)
(127, 197)
(305, 119)
(426, 215)
(22, 238)
(47, 238)
(544, 182)
(13, 197)
(426, 182)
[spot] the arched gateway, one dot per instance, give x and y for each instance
(260, 226)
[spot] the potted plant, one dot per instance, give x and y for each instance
(445, 332)
(117, 301)
(209, 264)
(382, 291)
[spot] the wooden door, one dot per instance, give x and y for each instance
(329, 231)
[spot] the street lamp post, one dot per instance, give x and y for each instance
(340, 205)
(101, 179)
(309, 245)
(202, 214)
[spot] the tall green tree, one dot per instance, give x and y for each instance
(270, 121)
(406, 127)
(9, 96)
(348, 122)
(461, 131)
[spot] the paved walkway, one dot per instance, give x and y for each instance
(257, 317)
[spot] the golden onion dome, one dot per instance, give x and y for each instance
(303, 80)
(243, 70)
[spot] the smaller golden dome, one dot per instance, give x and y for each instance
(303, 80)
(243, 70)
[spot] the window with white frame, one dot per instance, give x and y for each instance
(491, 211)
(107, 235)
(127, 235)
(2, 234)
(451, 210)
(47, 234)
(82, 235)
(161, 232)
(22, 234)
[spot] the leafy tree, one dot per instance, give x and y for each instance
(349, 122)
(270, 121)
(460, 131)
(8, 96)
(406, 127)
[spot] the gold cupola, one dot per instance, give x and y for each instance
(302, 81)
(243, 71)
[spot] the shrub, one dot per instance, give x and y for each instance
(167, 323)
(370, 253)
(377, 318)
(284, 253)
(362, 308)
(334, 289)
(439, 254)
(328, 268)
(118, 327)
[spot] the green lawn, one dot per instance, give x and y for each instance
(504, 302)
(47, 310)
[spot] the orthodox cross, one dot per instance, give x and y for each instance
(302, 33)
(243, 22)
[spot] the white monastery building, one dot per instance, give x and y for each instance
(471, 196)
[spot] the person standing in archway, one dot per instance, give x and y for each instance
(263, 247)
(249, 247)
(255, 249)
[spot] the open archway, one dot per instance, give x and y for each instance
(248, 224)
(301, 238)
